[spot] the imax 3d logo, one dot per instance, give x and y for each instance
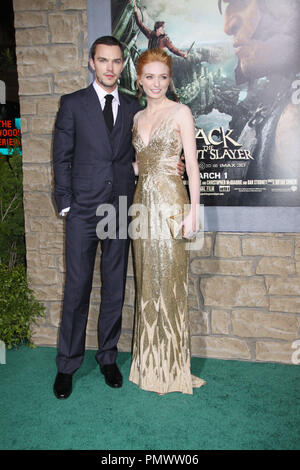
(296, 354)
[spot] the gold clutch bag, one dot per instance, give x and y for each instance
(175, 225)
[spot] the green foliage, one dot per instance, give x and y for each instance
(12, 243)
(18, 307)
(7, 59)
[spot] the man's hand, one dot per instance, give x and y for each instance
(64, 212)
(181, 167)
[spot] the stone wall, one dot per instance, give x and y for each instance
(244, 289)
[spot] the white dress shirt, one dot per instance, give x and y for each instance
(101, 93)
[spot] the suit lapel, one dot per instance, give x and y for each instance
(93, 109)
(125, 118)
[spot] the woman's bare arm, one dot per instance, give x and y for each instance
(185, 122)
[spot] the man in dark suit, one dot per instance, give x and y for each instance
(92, 161)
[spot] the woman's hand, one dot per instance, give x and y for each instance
(191, 223)
(135, 168)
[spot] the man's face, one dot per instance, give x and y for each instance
(160, 31)
(265, 40)
(107, 65)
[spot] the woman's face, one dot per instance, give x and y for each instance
(155, 79)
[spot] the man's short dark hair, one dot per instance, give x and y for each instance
(108, 41)
(158, 24)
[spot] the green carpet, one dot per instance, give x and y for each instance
(244, 406)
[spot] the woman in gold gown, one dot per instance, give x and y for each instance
(161, 344)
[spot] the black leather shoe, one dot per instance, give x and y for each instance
(112, 375)
(63, 385)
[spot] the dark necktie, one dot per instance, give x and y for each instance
(107, 112)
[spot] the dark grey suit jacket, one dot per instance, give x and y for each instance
(90, 167)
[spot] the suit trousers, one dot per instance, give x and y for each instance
(81, 246)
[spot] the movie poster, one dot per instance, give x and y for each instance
(236, 64)
(10, 131)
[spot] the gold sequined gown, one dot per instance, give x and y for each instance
(161, 344)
